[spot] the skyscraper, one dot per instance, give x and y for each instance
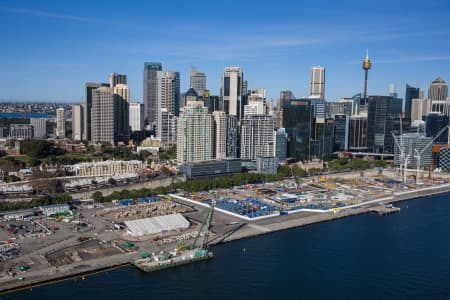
(435, 121)
(257, 137)
(121, 101)
(232, 91)
(438, 94)
(136, 116)
(284, 96)
(317, 89)
(122, 91)
(232, 137)
(357, 140)
(281, 144)
(103, 125)
(109, 117)
(297, 119)
(384, 117)
(168, 96)
(87, 107)
(77, 122)
(410, 93)
(151, 90)
(341, 132)
(198, 81)
(220, 131)
(115, 79)
(168, 128)
(194, 133)
(60, 123)
(438, 90)
(419, 109)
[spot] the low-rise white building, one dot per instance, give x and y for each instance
(158, 224)
(108, 167)
(49, 210)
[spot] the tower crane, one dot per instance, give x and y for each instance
(403, 156)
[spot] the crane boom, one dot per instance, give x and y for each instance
(204, 229)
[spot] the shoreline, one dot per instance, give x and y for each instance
(250, 230)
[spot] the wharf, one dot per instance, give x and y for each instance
(385, 209)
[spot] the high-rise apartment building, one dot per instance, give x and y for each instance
(195, 133)
(257, 137)
(122, 103)
(136, 116)
(317, 89)
(115, 79)
(232, 91)
(77, 122)
(151, 90)
(198, 81)
(168, 128)
(109, 117)
(103, 113)
(168, 96)
(220, 131)
(39, 127)
(232, 137)
(87, 107)
(60, 123)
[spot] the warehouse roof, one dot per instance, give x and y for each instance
(154, 225)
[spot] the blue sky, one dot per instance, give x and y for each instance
(50, 49)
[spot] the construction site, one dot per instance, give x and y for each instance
(319, 194)
(158, 232)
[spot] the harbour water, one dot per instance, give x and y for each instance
(23, 115)
(398, 256)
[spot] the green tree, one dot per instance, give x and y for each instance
(97, 196)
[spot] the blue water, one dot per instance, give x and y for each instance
(400, 256)
(23, 115)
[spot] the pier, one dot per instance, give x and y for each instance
(385, 209)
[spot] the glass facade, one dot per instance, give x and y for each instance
(341, 126)
(297, 119)
(434, 123)
(384, 117)
(410, 93)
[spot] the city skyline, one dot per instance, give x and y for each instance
(275, 45)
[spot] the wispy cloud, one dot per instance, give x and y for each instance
(46, 14)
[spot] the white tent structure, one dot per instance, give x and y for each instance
(154, 225)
